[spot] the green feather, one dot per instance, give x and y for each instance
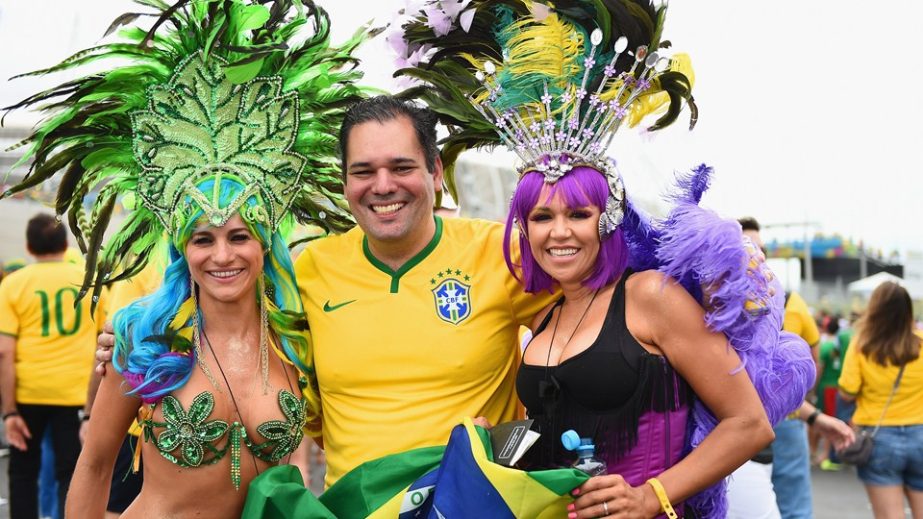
(86, 132)
(73, 221)
(94, 244)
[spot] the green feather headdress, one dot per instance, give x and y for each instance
(214, 89)
(513, 64)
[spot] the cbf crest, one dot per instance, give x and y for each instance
(452, 296)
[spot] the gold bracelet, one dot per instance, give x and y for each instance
(661, 494)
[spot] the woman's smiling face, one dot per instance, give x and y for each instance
(225, 261)
(564, 240)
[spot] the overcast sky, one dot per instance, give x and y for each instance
(809, 109)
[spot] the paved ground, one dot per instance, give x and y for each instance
(837, 495)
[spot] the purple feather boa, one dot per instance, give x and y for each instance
(699, 249)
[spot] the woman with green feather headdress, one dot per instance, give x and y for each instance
(220, 128)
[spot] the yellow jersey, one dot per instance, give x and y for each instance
(871, 383)
(55, 341)
(403, 356)
(799, 321)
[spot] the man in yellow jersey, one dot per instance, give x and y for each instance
(414, 318)
(789, 462)
(46, 353)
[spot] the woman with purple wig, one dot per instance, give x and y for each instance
(665, 347)
(620, 357)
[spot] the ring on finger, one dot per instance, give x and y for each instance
(605, 509)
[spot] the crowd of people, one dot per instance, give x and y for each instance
(668, 344)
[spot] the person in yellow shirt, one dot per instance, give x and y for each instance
(46, 354)
(884, 353)
(10, 266)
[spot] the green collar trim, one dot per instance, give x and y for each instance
(411, 263)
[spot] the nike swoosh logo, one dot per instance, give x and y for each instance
(329, 308)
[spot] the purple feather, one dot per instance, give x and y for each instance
(641, 237)
(691, 187)
(744, 301)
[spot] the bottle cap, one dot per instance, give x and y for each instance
(586, 445)
(570, 439)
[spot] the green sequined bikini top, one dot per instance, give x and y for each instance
(189, 440)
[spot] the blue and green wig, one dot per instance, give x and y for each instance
(154, 350)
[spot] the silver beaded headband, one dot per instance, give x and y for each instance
(554, 144)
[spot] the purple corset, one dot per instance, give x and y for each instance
(661, 439)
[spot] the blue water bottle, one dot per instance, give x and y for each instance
(587, 462)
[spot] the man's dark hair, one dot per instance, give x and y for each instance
(749, 223)
(387, 108)
(45, 235)
(833, 325)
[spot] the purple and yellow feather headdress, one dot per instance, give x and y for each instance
(551, 81)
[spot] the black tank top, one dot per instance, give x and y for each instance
(600, 392)
(602, 377)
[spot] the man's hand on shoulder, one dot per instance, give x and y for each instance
(104, 344)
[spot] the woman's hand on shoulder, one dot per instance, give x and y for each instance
(612, 496)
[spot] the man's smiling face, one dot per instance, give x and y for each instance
(388, 187)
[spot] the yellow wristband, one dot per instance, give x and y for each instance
(662, 497)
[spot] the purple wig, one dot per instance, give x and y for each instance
(581, 187)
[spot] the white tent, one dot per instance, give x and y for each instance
(866, 285)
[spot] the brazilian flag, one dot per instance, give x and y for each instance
(458, 480)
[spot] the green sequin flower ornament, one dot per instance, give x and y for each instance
(189, 432)
(283, 436)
